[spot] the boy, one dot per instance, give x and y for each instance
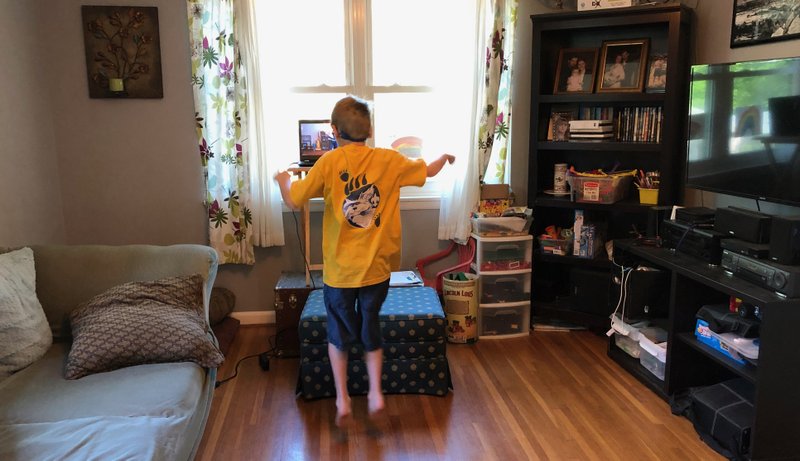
(360, 238)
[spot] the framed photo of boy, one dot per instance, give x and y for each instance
(576, 70)
(622, 65)
(656, 74)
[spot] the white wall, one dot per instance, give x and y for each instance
(129, 168)
(30, 191)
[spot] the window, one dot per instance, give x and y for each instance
(415, 60)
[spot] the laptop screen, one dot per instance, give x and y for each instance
(316, 138)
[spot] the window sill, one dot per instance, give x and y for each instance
(406, 203)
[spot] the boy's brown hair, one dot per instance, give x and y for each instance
(352, 116)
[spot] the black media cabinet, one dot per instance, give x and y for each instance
(694, 283)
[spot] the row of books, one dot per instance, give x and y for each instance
(639, 124)
(629, 124)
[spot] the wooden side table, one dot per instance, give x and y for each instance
(291, 293)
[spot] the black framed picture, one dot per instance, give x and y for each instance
(756, 22)
(575, 71)
(656, 74)
(622, 65)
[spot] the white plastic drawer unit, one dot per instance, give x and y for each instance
(504, 322)
(503, 254)
(505, 288)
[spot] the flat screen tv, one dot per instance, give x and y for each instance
(744, 129)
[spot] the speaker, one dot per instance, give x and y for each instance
(784, 240)
(751, 226)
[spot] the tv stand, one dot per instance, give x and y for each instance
(691, 363)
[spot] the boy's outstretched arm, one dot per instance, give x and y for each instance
(436, 166)
(284, 180)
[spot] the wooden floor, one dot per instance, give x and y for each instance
(549, 396)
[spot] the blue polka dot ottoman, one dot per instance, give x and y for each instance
(414, 349)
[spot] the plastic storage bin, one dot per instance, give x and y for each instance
(630, 346)
(504, 321)
(510, 225)
(653, 357)
(499, 289)
(504, 253)
(600, 190)
(626, 335)
(653, 350)
(561, 247)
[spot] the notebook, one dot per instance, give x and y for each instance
(315, 138)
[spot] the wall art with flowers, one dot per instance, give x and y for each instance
(123, 54)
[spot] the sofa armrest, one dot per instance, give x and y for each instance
(68, 275)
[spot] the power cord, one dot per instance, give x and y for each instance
(263, 358)
(302, 249)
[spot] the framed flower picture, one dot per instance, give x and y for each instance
(576, 70)
(622, 65)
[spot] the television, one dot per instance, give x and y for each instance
(744, 129)
(316, 138)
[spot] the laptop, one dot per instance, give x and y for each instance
(315, 138)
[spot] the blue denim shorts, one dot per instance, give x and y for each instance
(353, 315)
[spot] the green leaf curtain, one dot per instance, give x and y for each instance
(494, 134)
(220, 100)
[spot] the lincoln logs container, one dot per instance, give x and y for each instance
(461, 307)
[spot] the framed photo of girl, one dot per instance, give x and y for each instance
(576, 70)
(623, 64)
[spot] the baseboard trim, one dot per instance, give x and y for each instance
(255, 317)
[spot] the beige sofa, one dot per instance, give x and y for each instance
(143, 412)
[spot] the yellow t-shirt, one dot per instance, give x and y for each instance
(361, 233)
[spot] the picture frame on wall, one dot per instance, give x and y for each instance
(656, 74)
(622, 65)
(123, 51)
(757, 22)
(576, 70)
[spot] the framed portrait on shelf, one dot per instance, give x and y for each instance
(576, 70)
(622, 65)
(757, 22)
(656, 74)
(558, 129)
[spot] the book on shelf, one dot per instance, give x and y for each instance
(608, 135)
(589, 124)
(639, 124)
(599, 129)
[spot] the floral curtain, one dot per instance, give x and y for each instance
(494, 135)
(220, 100)
(491, 135)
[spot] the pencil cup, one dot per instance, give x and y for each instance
(648, 196)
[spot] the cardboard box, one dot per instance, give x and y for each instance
(495, 198)
(495, 191)
(589, 5)
(588, 240)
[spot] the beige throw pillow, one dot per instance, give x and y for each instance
(142, 322)
(25, 335)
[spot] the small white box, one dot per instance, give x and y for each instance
(589, 5)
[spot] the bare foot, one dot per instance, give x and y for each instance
(344, 420)
(377, 407)
(344, 414)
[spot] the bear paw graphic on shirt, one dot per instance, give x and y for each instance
(361, 200)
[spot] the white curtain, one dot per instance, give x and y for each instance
(266, 197)
(496, 22)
